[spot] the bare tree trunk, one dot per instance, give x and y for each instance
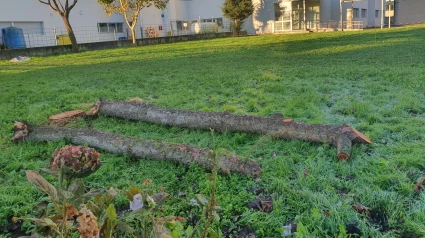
(71, 34)
(138, 148)
(235, 27)
(133, 34)
(277, 127)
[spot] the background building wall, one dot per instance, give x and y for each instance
(409, 11)
(40, 24)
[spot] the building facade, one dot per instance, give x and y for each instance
(409, 12)
(274, 16)
(42, 27)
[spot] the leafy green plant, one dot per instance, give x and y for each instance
(146, 211)
(70, 164)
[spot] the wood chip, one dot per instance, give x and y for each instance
(137, 99)
(68, 114)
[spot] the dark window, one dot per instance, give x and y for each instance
(110, 27)
(103, 27)
(356, 12)
(364, 13)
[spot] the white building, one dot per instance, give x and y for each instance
(275, 16)
(42, 26)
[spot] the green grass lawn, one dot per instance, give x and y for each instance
(373, 80)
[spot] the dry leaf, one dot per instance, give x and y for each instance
(360, 208)
(419, 184)
(71, 211)
(88, 224)
(147, 182)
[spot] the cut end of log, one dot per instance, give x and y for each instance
(356, 135)
(68, 114)
(287, 120)
(344, 147)
(360, 136)
(343, 156)
(95, 109)
(20, 131)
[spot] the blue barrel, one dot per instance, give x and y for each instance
(13, 38)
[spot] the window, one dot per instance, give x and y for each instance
(181, 25)
(356, 12)
(364, 13)
(110, 27)
(219, 21)
(28, 27)
(376, 13)
(102, 27)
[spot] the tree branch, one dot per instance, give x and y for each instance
(48, 3)
(57, 7)
(60, 3)
(72, 5)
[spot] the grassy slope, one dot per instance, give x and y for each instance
(373, 80)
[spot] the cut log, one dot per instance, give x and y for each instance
(138, 148)
(344, 147)
(277, 127)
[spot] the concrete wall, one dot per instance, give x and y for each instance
(55, 50)
(205, 9)
(373, 19)
(409, 11)
(326, 10)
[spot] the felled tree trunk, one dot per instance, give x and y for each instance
(138, 148)
(276, 126)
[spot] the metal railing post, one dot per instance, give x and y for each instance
(389, 15)
(54, 34)
(29, 40)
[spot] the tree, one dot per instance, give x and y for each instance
(130, 9)
(238, 11)
(64, 10)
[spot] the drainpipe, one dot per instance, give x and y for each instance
(382, 15)
(340, 13)
(352, 14)
(305, 23)
(389, 15)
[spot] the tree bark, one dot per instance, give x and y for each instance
(276, 126)
(236, 28)
(138, 148)
(71, 34)
(133, 35)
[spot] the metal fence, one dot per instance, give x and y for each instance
(296, 25)
(59, 36)
(354, 25)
